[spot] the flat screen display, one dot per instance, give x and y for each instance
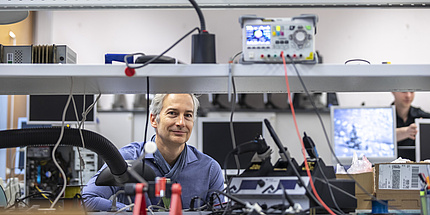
(215, 140)
(48, 109)
(368, 131)
(422, 140)
(258, 34)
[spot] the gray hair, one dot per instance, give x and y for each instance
(157, 105)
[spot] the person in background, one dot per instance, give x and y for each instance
(406, 128)
(172, 116)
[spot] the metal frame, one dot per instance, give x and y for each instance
(24, 79)
(123, 4)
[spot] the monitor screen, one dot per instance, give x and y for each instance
(369, 131)
(422, 140)
(214, 138)
(48, 109)
(258, 34)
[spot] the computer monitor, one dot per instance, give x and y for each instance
(214, 139)
(422, 139)
(369, 131)
(48, 109)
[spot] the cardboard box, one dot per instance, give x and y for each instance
(400, 184)
(366, 180)
(401, 199)
(394, 176)
(363, 202)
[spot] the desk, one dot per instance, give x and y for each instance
(156, 213)
(24, 212)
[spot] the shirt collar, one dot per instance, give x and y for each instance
(191, 157)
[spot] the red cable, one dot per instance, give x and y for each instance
(301, 141)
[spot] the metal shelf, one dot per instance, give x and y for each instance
(124, 4)
(24, 79)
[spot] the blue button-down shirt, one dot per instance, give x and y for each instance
(201, 173)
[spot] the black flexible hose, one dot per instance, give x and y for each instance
(200, 14)
(49, 136)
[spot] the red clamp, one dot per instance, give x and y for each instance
(160, 187)
(139, 201)
(175, 201)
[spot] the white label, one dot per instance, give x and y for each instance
(401, 176)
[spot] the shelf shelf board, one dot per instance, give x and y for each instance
(24, 79)
(148, 4)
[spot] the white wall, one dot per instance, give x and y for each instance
(399, 36)
(377, 35)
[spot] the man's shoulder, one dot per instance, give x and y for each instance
(203, 162)
(416, 112)
(132, 150)
(134, 145)
(195, 151)
(200, 155)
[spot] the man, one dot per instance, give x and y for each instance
(172, 116)
(406, 128)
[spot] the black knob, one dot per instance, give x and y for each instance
(261, 183)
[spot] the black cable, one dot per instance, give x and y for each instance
(352, 60)
(233, 106)
(142, 156)
(243, 203)
(29, 196)
(200, 14)
(295, 171)
(325, 133)
(213, 203)
(193, 201)
(237, 54)
(227, 179)
(329, 145)
(15, 204)
(17, 195)
(147, 108)
(79, 196)
(337, 188)
(233, 139)
(158, 56)
(232, 133)
(234, 151)
(231, 119)
(219, 199)
(286, 196)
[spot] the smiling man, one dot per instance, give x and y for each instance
(172, 116)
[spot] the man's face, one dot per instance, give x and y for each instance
(403, 98)
(176, 119)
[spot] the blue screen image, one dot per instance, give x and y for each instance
(258, 34)
(366, 131)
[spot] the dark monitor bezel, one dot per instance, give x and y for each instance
(200, 132)
(70, 116)
(421, 148)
